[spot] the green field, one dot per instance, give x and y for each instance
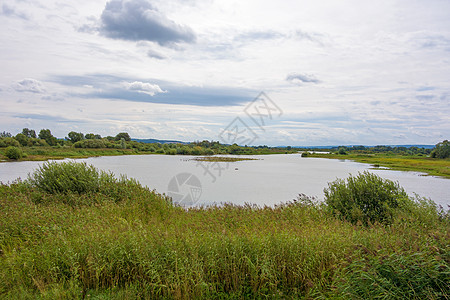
(430, 166)
(75, 236)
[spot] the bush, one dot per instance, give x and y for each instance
(9, 141)
(442, 150)
(72, 177)
(172, 151)
(53, 177)
(90, 144)
(305, 154)
(365, 198)
(13, 152)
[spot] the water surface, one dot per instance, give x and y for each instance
(272, 179)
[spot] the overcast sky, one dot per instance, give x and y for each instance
(338, 72)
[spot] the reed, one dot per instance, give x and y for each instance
(133, 243)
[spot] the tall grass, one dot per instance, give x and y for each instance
(138, 245)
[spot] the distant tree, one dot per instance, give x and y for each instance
(91, 136)
(90, 143)
(123, 135)
(46, 134)
(342, 151)
(123, 144)
(442, 150)
(9, 141)
(29, 133)
(75, 136)
(22, 139)
(5, 134)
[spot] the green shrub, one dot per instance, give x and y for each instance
(366, 198)
(13, 152)
(70, 178)
(305, 154)
(90, 144)
(442, 150)
(9, 141)
(54, 177)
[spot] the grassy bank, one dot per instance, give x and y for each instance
(430, 166)
(43, 153)
(114, 239)
(46, 153)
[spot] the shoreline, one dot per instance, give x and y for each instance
(429, 166)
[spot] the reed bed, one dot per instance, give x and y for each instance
(124, 241)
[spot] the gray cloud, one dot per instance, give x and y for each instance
(138, 20)
(154, 54)
(258, 35)
(12, 12)
(300, 79)
(139, 90)
(28, 85)
(430, 40)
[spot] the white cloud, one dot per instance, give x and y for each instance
(28, 85)
(143, 87)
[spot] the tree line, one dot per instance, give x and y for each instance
(122, 140)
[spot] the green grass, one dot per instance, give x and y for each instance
(430, 166)
(133, 243)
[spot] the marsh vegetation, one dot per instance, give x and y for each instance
(98, 236)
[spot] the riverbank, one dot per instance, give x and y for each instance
(427, 165)
(44, 153)
(52, 153)
(121, 240)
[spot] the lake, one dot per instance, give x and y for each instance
(269, 180)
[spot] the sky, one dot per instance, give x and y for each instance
(297, 73)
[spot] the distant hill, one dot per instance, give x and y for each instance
(152, 141)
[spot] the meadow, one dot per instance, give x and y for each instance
(428, 165)
(71, 231)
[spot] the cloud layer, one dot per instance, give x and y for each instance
(186, 69)
(138, 20)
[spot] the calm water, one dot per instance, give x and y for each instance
(270, 180)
